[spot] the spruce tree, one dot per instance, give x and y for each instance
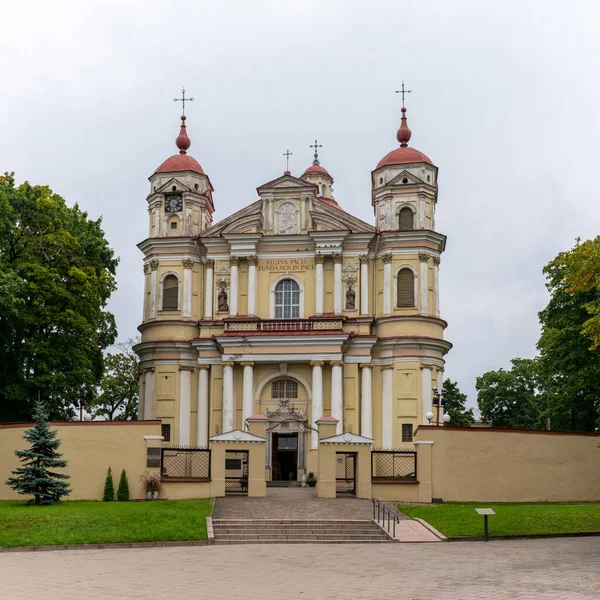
(123, 491)
(35, 478)
(109, 487)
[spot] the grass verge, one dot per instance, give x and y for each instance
(461, 520)
(88, 522)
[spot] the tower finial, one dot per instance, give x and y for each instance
(404, 133)
(183, 141)
(316, 146)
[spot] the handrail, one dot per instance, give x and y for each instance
(383, 511)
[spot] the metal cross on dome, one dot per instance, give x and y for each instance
(316, 146)
(183, 99)
(403, 91)
(287, 155)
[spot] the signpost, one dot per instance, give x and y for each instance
(485, 512)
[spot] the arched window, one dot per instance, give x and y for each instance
(323, 191)
(405, 218)
(287, 300)
(284, 388)
(170, 293)
(406, 288)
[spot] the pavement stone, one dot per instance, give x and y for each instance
(559, 568)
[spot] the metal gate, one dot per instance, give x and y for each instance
(345, 473)
(236, 472)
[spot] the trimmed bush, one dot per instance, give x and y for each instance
(109, 487)
(123, 491)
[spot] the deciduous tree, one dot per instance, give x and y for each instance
(460, 415)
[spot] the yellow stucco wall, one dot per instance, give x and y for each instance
(512, 465)
(90, 448)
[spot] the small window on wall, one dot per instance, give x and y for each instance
(173, 224)
(165, 431)
(407, 433)
(284, 388)
(405, 218)
(405, 288)
(170, 293)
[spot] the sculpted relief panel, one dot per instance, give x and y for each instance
(287, 219)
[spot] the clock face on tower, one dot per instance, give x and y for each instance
(173, 203)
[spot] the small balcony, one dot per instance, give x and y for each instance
(241, 325)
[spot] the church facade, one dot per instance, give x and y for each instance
(292, 308)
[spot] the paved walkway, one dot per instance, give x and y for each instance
(302, 503)
(560, 569)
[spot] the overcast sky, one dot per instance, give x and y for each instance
(504, 102)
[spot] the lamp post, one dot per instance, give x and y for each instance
(439, 401)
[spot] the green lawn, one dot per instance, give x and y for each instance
(460, 519)
(85, 522)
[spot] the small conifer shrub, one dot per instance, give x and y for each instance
(109, 487)
(123, 491)
(37, 476)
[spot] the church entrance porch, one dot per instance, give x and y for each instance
(285, 456)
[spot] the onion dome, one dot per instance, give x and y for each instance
(181, 161)
(403, 155)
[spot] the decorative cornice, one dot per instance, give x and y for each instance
(363, 259)
(252, 260)
(234, 261)
(154, 264)
(387, 258)
(188, 263)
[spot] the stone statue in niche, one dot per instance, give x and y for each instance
(287, 221)
(350, 298)
(222, 305)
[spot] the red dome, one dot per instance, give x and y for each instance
(180, 162)
(404, 156)
(316, 169)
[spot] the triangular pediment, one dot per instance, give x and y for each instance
(411, 178)
(236, 436)
(167, 187)
(347, 438)
(286, 182)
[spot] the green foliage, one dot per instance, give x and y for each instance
(568, 368)
(510, 398)
(85, 522)
(460, 519)
(57, 272)
(109, 487)
(35, 478)
(123, 491)
(460, 416)
(119, 388)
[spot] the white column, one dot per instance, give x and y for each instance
(185, 393)
(426, 393)
(234, 261)
(248, 392)
(366, 403)
(337, 394)
(436, 284)
(386, 406)
(422, 213)
(187, 287)
(387, 283)
(364, 285)
(319, 259)
(317, 400)
(337, 283)
(153, 277)
(252, 262)
(202, 414)
(209, 289)
(140, 414)
(440, 386)
(149, 394)
(228, 401)
(424, 279)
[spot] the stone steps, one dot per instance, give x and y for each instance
(284, 531)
